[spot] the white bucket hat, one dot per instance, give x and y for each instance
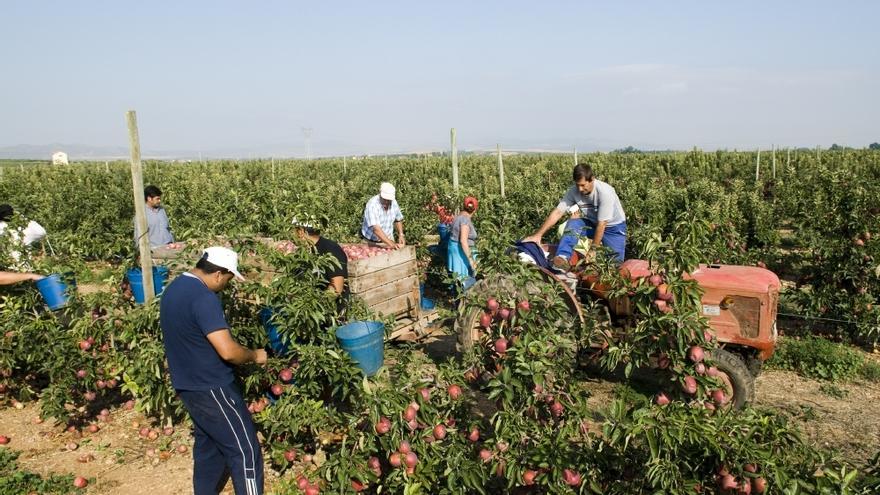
(387, 191)
(224, 258)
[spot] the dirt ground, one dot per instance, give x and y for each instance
(124, 465)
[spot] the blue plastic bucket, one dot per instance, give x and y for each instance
(279, 346)
(364, 341)
(427, 304)
(53, 290)
(160, 274)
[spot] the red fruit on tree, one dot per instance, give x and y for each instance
(696, 353)
(312, 490)
(302, 482)
(409, 414)
(454, 391)
(404, 447)
(485, 455)
(690, 385)
(85, 345)
(523, 306)
(474, 435)
(712, 371)
(727, 482)
(411, 459)
(501, 345)
(663, 292)
(383, 426)
(373, 463)
(290, 455)
(439, 432)
(485, 320)
(81, 374)
(751, 468)
(285, 375)
(394, 459)
(859, 242)
(759, 485)
(357, 485)
(719, 397)
(571, 478)
(663, 361)
(556, 409)
(655, 280)
(425, 393)
(492, 304)
(277, 389)
(700, 368)
(528, 477)
(662, 399)
(504, 314)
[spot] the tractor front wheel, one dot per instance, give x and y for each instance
(738, 382)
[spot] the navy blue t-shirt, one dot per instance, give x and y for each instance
(188, 312)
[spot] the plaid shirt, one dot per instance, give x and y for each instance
(375, 214)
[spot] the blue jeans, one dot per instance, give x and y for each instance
(614, 237)
(226, 442)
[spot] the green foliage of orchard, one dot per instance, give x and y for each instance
(804, 223)
(816, 357)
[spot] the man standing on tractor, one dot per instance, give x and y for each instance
(381, 216)
(602, 217)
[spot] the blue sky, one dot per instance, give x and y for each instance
(372, 77)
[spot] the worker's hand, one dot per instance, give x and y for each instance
(260, 356)
(402, 241)
(35, 276)
(532, 238)
(398, 245)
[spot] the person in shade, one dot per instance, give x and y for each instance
(382, 216)
(334, 277)
(602, 217)
(201, 356)
(158, 230)
(461, 257)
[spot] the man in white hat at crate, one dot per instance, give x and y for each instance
(382, 216)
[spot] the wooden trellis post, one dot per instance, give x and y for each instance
(454, 160)
(500, 169)
(758, 166)
(137, 184)
(773, 163)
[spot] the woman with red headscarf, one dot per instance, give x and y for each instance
(461, 258)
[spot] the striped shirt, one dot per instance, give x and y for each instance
(375, 214)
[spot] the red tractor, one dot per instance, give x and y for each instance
(739, 302)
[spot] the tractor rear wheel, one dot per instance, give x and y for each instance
(467, 325)
(739, 383)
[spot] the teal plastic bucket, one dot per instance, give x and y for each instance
(53, 290)
(427, 304)
(160, 274)
(278, 345)
(364, 341)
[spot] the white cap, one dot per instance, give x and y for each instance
(224, 258)
(387, 191)
(306, 224)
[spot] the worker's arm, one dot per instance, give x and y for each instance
(401, 240)
(383, 237)
(600, 232)
(337, 284)
(231, 351)
(466, 247)
(551, 220)
(9, 278)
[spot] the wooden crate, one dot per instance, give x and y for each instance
(388, 283)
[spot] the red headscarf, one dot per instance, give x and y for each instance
(470, 204)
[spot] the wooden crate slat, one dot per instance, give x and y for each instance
(385, 292)
(363, 283)
(399, 305)
(381, 261)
